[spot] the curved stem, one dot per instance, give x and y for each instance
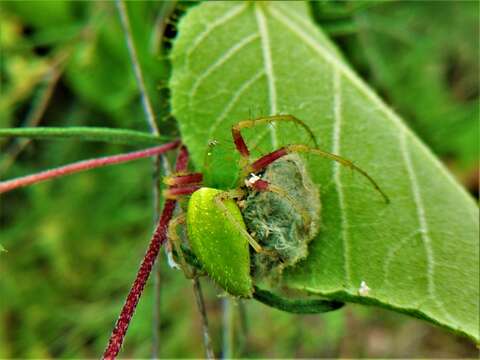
(85, 165)
(299, 306)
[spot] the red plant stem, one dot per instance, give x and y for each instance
(85, 165)
(158, 239)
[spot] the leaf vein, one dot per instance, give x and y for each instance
(337, 118)
(229, 15)
(221, 60)
(391, 254)
(267, 60)
(236, 96)
(424, 229)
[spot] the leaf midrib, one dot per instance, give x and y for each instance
(268, 65)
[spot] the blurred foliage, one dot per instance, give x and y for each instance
(74, 244)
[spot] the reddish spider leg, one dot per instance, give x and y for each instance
(159, 237)
(264, 161)
(240, 142)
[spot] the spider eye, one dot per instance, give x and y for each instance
(212, 143)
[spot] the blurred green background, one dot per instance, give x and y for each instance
(74, 244)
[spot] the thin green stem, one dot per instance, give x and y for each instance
(298, 306)
(197, 290)
(243, 327)
(109, 135)
(228, 325)
(147, 105)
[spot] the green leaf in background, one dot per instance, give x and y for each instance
(100, 70)
(417, 255)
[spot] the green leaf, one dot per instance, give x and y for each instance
(417, 255)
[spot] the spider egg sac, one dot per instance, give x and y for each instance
(283, 223)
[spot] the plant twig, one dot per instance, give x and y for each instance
(147, 106)
(159, 237)
(207, 342)
(156, 308)
(242, 315)
(86, 133)
(85, 165)
(228, 325)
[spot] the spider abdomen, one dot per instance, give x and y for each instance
(218, 242)
(283, 222)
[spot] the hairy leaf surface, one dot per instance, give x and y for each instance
(418, 254)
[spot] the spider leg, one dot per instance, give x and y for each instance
(230, 195)
(176, 241)
(240, 142)
(183, 179)
(179, 185)
(267, 159)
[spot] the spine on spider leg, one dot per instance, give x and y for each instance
(159, 237)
